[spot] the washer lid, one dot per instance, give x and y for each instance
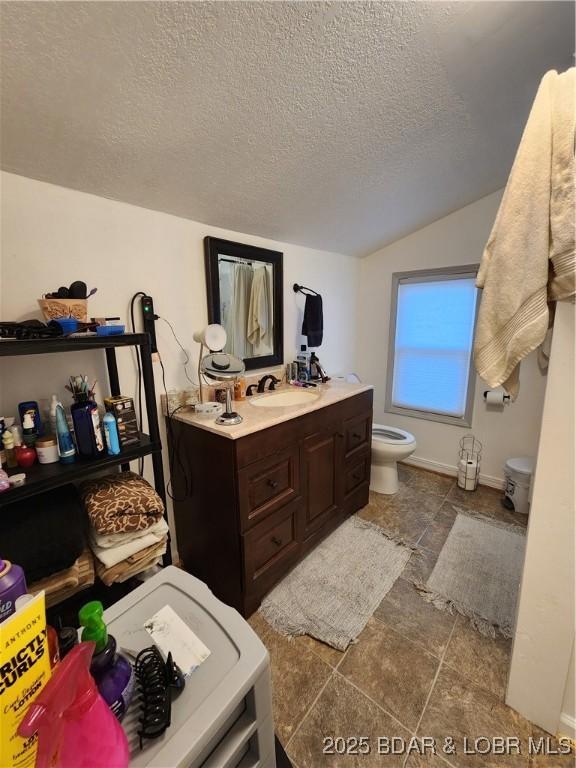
(524, 465)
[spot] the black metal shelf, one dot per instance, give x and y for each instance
(9, 347)
(43, 477)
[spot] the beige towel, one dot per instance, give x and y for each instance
(529, 256)
(64, 584)
(136, 563)
(110, 556)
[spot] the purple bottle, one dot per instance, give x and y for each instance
(112, 672)
(12, 585)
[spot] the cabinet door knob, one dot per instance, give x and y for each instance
(273, 483)
(356, 476)
(276, 540)
(356, 436)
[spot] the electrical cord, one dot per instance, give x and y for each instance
(177, 340)
(175, 453)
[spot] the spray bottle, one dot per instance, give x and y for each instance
(112, 672)
(75, 727)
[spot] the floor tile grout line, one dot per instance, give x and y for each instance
(305, 715)
(475, 683)
(432, 689)
(335, 671)
(318, 656)
(436, 675)
(380, 707)
(444, 499)
(420, 645)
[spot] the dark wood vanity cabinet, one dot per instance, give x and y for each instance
(247, 510)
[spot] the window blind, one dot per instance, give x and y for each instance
(433, 344)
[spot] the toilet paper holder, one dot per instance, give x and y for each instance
(470, 456)
(505, 398)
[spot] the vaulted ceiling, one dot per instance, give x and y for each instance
(338, 125)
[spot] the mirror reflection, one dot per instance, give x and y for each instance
(247, 305)
(244, 286)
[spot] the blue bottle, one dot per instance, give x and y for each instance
(111, 434)
(66, 449)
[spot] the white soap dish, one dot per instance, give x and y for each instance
(208, 409)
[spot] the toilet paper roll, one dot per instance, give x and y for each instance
(467, 473)
(495, 397)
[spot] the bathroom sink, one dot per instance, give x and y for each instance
(284, 399)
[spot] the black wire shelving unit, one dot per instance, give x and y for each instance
(43, 477)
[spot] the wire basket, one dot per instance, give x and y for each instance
(469, 463)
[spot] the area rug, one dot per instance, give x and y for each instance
(333, 592)
(478, 573)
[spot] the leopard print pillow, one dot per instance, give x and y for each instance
(121, 503)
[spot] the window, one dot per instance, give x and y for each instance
(430, 354)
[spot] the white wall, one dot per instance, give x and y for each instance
(454, 240)
(542, 654)
(52, 235)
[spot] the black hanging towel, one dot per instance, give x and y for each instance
(313, 323)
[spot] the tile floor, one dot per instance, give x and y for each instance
(415, 670)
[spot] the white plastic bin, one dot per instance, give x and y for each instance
(518, 475)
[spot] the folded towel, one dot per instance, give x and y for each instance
(64, 584)
(110, 556)
(106, 540)
(313, 323)
(529, 257)
(45, 533)
(121, 502)
(134, 564)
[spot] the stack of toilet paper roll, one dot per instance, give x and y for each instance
(469, 462)
(467, 474)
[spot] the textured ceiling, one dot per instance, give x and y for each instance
(341, 126)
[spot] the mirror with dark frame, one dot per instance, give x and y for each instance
(244, 287)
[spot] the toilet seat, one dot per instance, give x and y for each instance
(391, 435)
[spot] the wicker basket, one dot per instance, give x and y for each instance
(54, 309)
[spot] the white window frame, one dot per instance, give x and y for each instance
(421, 276)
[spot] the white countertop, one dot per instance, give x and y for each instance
(257, 418)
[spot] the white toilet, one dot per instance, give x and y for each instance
(389, 445)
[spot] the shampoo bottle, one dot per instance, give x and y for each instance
(74, 725)
(112, 672)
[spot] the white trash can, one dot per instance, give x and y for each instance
(518, 476)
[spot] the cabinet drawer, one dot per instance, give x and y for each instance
(357, 434)
(357, 472)
(268, 485)
(270, 546)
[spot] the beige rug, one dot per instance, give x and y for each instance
(333, 592)
(478, 573)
